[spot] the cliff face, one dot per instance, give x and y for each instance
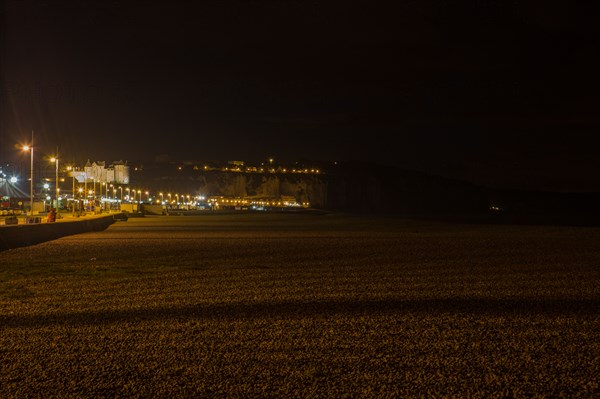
(372, 188)
(349, 187)
(303, 187)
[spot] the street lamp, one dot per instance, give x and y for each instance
(30, 149)
(94, 193)
(161, 197)
(80, 200)
(55, 161)
(85, 190)
(71, 169)
(103, 199)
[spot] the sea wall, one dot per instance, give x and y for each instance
(13, 236)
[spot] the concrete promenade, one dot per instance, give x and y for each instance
(24, 234)
(61, 217)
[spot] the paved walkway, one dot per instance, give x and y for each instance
(61, 217)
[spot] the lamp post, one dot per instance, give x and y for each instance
(161, 197)
(30, 149)
(103, 199)
(55, 161)
(85, 190)
(80, 200)
(114, 197)
(71, 169)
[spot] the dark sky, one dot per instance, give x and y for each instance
(501, 93)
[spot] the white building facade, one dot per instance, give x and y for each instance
(116, 173)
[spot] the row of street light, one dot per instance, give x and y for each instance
(132, 194)
(54, 159)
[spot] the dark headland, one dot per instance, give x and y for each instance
(374, 188)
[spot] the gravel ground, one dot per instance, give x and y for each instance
(303, 306)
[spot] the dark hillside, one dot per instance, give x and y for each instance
(374, 188)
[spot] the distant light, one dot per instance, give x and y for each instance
(46, 185)
(14, 179)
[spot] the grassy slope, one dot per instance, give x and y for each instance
(303, 306)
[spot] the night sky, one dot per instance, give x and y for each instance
(500, 93)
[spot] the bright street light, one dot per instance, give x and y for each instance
(55, 161)
(71, 170)
(30, 149)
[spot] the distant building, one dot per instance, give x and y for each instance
(95, 171)
(117, 172)
(120, 172)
